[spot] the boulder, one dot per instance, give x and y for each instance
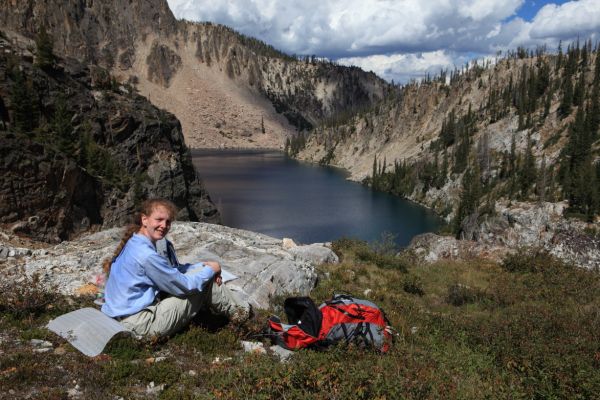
(316, 253)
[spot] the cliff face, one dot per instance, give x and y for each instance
(306, 92)
(96, 32)
(228, 90)
(78, 151)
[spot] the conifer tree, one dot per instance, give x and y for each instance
(527, 175)
(542, 181)
(45, 49)
(469, 197)
(547, 103)
(25, 113)
(374, 172)
(593, 113)
(579, 91)
(62, 127)
(559, 58)
(597, 69)
(84, 144)
(512, 158)
(564, 108)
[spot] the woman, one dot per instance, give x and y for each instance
(138, 274)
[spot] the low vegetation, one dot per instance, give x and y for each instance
(528, 328)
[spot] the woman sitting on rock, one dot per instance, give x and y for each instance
(152, 294)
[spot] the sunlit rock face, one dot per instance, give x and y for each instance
(518, 225)
(264, 267)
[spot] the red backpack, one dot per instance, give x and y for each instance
(342, 319)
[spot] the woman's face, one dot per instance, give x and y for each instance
(156, 225)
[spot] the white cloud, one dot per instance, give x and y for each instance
(392, 36)
(567, 20)
(343, 28)
(404, 67)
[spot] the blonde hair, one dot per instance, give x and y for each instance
(145, 209)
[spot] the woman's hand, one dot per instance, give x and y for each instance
(216, 267)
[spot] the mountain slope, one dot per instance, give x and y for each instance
(79, 152)
(514, 124)
(216, 81)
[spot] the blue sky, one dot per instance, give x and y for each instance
(401, 39)
(530, 8)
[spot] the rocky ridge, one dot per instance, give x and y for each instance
(227, 89)
(265, 267)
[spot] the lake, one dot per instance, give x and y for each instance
(266, 192)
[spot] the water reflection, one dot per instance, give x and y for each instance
(268, 193)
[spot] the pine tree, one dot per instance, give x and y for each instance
(512, 158)
(527, 175)
(577, 171)
(45, 49)
(579, 91)
(597, 69)
(62, 127)
(25, 113)
(593, 113)
(374, 172)
(469, 197)
(84, 146)
(559, 58)
(547, 103)
(542, 181)
(483, 156)
(564, 108)
(513, 162)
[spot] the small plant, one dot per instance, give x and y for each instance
(381, 253)
(459, 294)
(384, 261)
(24, 296)
(531, 260)
(412, 284)
(386, 245)
(124, 347)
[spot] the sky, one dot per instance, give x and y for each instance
(401, 40)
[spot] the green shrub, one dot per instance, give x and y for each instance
(531, 260)
(125, 347)
(25, 296)
(459, 295)
(384, 261)
(412, 284)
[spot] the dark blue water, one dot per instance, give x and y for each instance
(263, 191)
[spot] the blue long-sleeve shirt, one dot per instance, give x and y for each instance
(139, 273)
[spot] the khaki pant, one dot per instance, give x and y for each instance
(172, 314)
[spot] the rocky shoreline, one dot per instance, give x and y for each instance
(512, 225)
(516, 225)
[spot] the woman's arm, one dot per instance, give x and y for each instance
(171, 280)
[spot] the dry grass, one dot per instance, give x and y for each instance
(507, 332)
